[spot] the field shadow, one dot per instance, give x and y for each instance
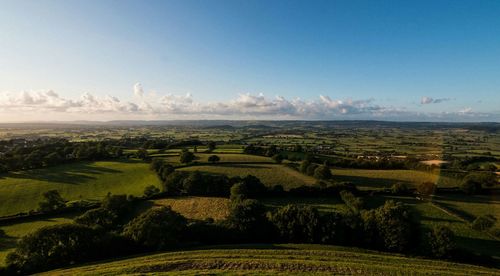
(7, 242)
(491, 199)
(68, 175)
(370, 182)
(488, 247)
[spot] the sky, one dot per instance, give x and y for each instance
(212, 59)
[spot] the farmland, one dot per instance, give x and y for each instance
(279, 259)
(21, 191)
(269, 174)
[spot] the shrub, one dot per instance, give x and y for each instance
(483, 223)
(158, 228)
(52, 201)
(53, 246)
(249, 218)
(441, 242)
(399, 189)
(297, 224)
(354, 203)
(151, 190)
(99, 217)
(426, 188)
(213, 159)
(322, 172)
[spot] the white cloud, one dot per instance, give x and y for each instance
(244, 106)
(429, 100)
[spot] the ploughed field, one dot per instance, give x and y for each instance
(22, 191)
(280, 259)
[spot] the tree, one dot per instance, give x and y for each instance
(311, 168)
(158, 228)
(211, 146)
(304, 165)
(239, 191)
(399, 189)
(99, 217)
(193, 184)
(52, 201)
(186, 157)
(249, 218)
(297, 224)
(354, 203)
(118, 204)
(278, 158)
(426, 188)
(213, 159)
(151, 190)
(53, 246)
(142, 154)
(173, 183)
(322, 172)
(441, 242)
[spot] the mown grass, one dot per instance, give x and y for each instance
(192, 207)
(269, 174)
(385, 178)
(21, 191)
(283, 259)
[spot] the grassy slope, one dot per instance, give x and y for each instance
(269, 174)
(21, 191)
(277, 259)
(471, 207)
(385, 178)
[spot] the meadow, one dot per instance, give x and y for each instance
(277, 259)
(22, 191)
(269, 174)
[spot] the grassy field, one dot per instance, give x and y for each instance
(278, 259)
(471, 207)
(21, 191)
(323, 204)
(385, 178)
(14, 231)
(224, 158)
(193, 207)
(269, 174)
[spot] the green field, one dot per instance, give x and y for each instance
(269, 174)
(224, 158)
(14, 231)
(385, 178)
(280, 259)
(471, 207)
(21, 191)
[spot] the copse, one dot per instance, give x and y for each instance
(52, 201)
(186, 156)
(297, 224)
(441, 242)
(248, 217)
(426, 188)
(355, 204)
(322, 172)
(213, 159)
(99, 217)
(158, 228)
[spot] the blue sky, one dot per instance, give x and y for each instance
(395, 60)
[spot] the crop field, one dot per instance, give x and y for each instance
(279, 259)
(385, 178)
(21, 191)
(224, 158)
(194, 207)
(14, 231)
(269, 174)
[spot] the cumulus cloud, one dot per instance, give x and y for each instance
(245, 105)
(429, 100)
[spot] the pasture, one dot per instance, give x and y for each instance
(385, 178)
(193, 207)
(224, 158)
(269, 174)
(21, 191)
(278, 259)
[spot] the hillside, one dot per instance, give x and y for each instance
(277, 259)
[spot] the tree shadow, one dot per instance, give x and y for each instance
(69, 174)
(488, 247)
(370, 182)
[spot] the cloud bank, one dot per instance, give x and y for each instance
(429, 100)
(243, 106)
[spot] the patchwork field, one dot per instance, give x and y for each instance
(385, 178)
(269, 174)
(276, 260)
(21, 191)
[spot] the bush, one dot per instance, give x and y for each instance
(297, 224)
(441, 242)
(54, 246)
(354, 203)
(213, 159)
(151, 190)
(399, 189)
(158, 228)
(249, 218)
(322, 172)
(99, 217)
(52, 201)
(426, 188)
(483, 223)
